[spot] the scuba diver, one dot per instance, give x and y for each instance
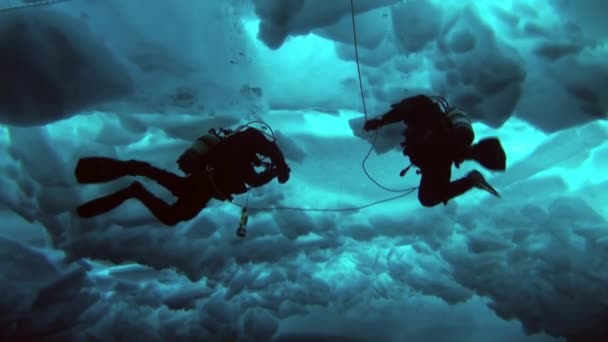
(217, 165)
(436, 136)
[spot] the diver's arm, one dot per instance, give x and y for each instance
(264, 147)
(388, 118)
(267, 148)
(255, 179)
(402, 111)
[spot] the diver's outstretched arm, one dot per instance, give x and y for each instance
(401, 111)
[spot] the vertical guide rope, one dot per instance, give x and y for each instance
(352, 11)
(408, 190)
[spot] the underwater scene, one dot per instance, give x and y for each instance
(304, 170)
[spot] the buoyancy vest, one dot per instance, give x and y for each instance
(419, 142)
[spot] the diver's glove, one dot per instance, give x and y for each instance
(371, 125)
(283, 174)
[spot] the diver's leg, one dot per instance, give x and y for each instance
(434, 185)
(174, 183)
(433, 189)
(186, 207)
(104, 169)
(106, 203)
(458, 187)
(91, 170)
(159, 208)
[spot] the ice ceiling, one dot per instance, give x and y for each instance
(543, 63)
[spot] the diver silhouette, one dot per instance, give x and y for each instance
(436, 136)
(217, 165)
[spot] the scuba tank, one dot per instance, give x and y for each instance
(488, 152)
(459, 119)
(462, 134)
(194, 158)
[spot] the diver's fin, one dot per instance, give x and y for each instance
(480, 182)
(489, 153)
(106, 203)
(99, 170)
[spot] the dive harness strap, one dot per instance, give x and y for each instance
(217, 192)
